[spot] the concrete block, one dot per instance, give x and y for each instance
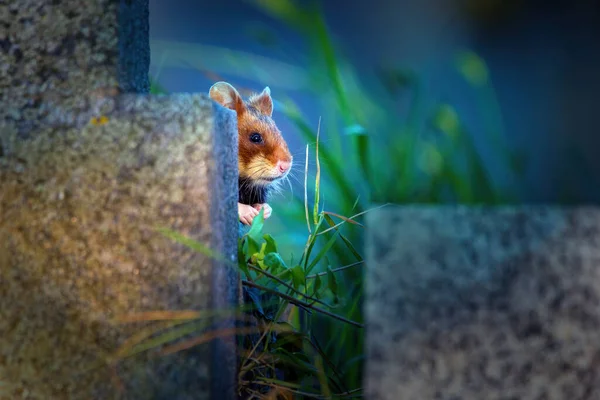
(80, 201)
(88, 172)
(483, 303)
(56, 53)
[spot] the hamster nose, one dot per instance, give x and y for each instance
(283, 166)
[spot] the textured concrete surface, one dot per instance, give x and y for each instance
(55, 53)
(79, 204)
(483, 303)
(86, 175)
(225, 292)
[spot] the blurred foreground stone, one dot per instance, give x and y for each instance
(483, 303)
(88, 171)
(79, 208)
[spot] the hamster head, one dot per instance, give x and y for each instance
(263, 154)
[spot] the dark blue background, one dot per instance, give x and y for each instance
(544, 59)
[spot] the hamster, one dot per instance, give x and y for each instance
(264, 159)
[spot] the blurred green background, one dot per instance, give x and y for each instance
(463, 101)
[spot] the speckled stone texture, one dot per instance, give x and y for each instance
(55, 53)
(79, 206)
(483, 303)
(87, 173)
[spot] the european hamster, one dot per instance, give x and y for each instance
(264, 159)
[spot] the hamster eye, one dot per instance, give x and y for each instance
(256, 138)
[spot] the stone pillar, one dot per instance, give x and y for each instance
(483, 303)
(55, 53)
(90, 167)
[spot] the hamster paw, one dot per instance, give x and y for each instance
(268, 209)
(246, 213)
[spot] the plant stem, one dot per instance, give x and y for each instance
(303, 304)
(313, 276)
(287, 285)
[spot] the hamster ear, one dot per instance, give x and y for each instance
(226, 95)
(263, 102)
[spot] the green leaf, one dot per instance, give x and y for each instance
(322, 252)
(355, 202)
(261, 253)
(298, 276)
(274, 263)
(252, 247)
(311, 244)
(257, 226)
(317, 180)
(271, 245)
(350, 247)
(318, 284)
(327, 50)
(347, 242)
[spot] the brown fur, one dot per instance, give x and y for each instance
(255, 161)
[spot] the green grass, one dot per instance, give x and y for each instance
(281, 355)
(373, 155)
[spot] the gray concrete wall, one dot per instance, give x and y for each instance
(483, 303)
(88, 172)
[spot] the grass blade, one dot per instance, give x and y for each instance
(318, 177)
(306, 191)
